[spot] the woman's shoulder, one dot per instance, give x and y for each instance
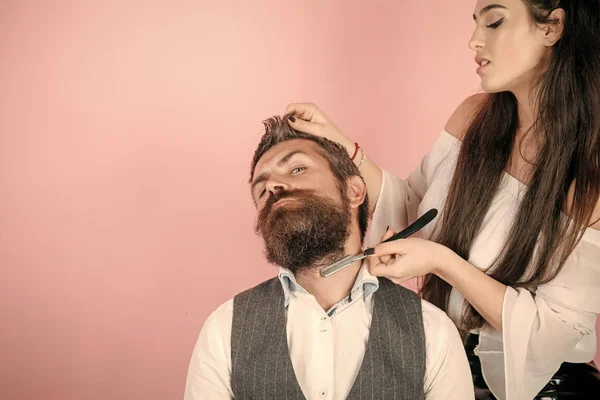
(461, 118)
(595, 218)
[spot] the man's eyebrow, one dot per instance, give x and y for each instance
(290, 155)
(265, 175)
(488, 8)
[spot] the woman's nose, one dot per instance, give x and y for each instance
(476, 43)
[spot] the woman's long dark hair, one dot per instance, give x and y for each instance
(568, 123)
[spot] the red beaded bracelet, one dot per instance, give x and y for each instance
(356, 147)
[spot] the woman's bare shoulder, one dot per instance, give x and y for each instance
(594, 220)
(463, 115)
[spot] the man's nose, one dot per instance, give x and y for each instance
(275, 185)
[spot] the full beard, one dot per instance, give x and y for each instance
(307, 233)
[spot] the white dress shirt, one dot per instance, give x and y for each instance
(327, 348)
(542, 328)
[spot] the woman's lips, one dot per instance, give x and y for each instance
(482, 62)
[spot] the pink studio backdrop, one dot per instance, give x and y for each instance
(126, 131)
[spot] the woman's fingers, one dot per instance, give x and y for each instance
(384, 260)
(388, 234)
(409, 258)
(301, 125)
(396, 247)
(306, 111)
(377, 268)
(308, 118)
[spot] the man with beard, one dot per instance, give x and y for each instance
(300, 335)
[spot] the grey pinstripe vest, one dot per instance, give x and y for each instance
(393, 365)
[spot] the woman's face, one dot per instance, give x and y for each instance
(510, 48)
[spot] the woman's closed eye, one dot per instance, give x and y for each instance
(496, 24)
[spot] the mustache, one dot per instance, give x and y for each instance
(275, 197)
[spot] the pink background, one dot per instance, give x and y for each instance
(126, 132)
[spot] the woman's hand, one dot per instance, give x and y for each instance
(405, 259)
(308, 118)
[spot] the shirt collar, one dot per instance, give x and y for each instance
(289, 284)
(365, 283)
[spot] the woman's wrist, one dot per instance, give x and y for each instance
(359, 160)
(349, 145)
(356, 153)
(449, 261)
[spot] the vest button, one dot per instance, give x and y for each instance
(323, 393)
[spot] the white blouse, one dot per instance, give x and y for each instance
(556, 323)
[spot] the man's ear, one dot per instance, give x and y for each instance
(553, 31)
(357, 191)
